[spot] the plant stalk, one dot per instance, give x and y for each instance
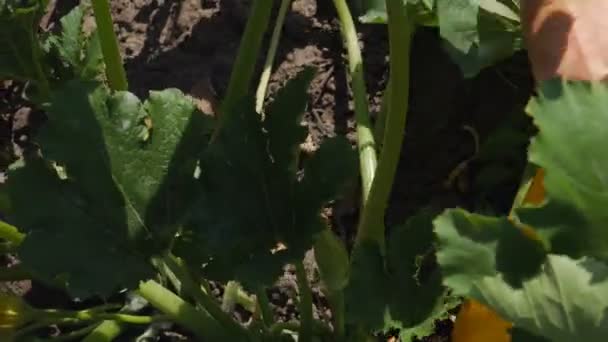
(400, 38)
(336, 301)
(76, 334)
(92, 315)
(193, 289)
(263, 307)
(319, 328)
(107, 331)
(365, 135)
(249, 49)
(306, 317)
(270, 56)
(11, 234)
(115, 71)
(380, 123)
(200, 323)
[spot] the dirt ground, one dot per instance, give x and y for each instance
(191, 44)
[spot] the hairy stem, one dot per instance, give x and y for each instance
(249, 49)
(306, 318)
(400, 37)
(115, 71)
(272, 51)
(365, 134)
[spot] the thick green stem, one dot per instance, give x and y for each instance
(105, 332)
(319, 328)
(272, 51)
(380, 124)
(365, 134)
(524, 187)
(336, 302)
(11, 234)
(400, 37)
(249, 49)
(200, 323)
(115, 71)
(76, 334)
(193, 289)
(264, 307)
(333, 263)
(306, 318)
(94, 315)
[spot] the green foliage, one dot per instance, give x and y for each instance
(367, 292)
(19, 46)
(73, 50)
(252, 196)
(478, 34)
(574, 219)
(402, 290)
(332, 260)
(490, 260)
(112, 192)
(372, 11)
(40, 58)
(512, 265)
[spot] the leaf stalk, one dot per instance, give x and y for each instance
(306, 317)
(365, 135)
(270, 56)
(115, 71)
(249, 48)
(400, 37)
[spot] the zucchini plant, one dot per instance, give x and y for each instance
(152, 199)
(542, 267)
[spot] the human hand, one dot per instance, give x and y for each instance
(567, 38)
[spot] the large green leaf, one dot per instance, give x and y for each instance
(479, 33)
(27, 55)
(19, 45)
(571, 118)
(71, 40)
(367, 293)
(253, 197)
(418, 291)
(79, 54)
(403, 291)
(496, 263)
(372, 11)
(472, 247)
(69, 242)
(129, 176)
